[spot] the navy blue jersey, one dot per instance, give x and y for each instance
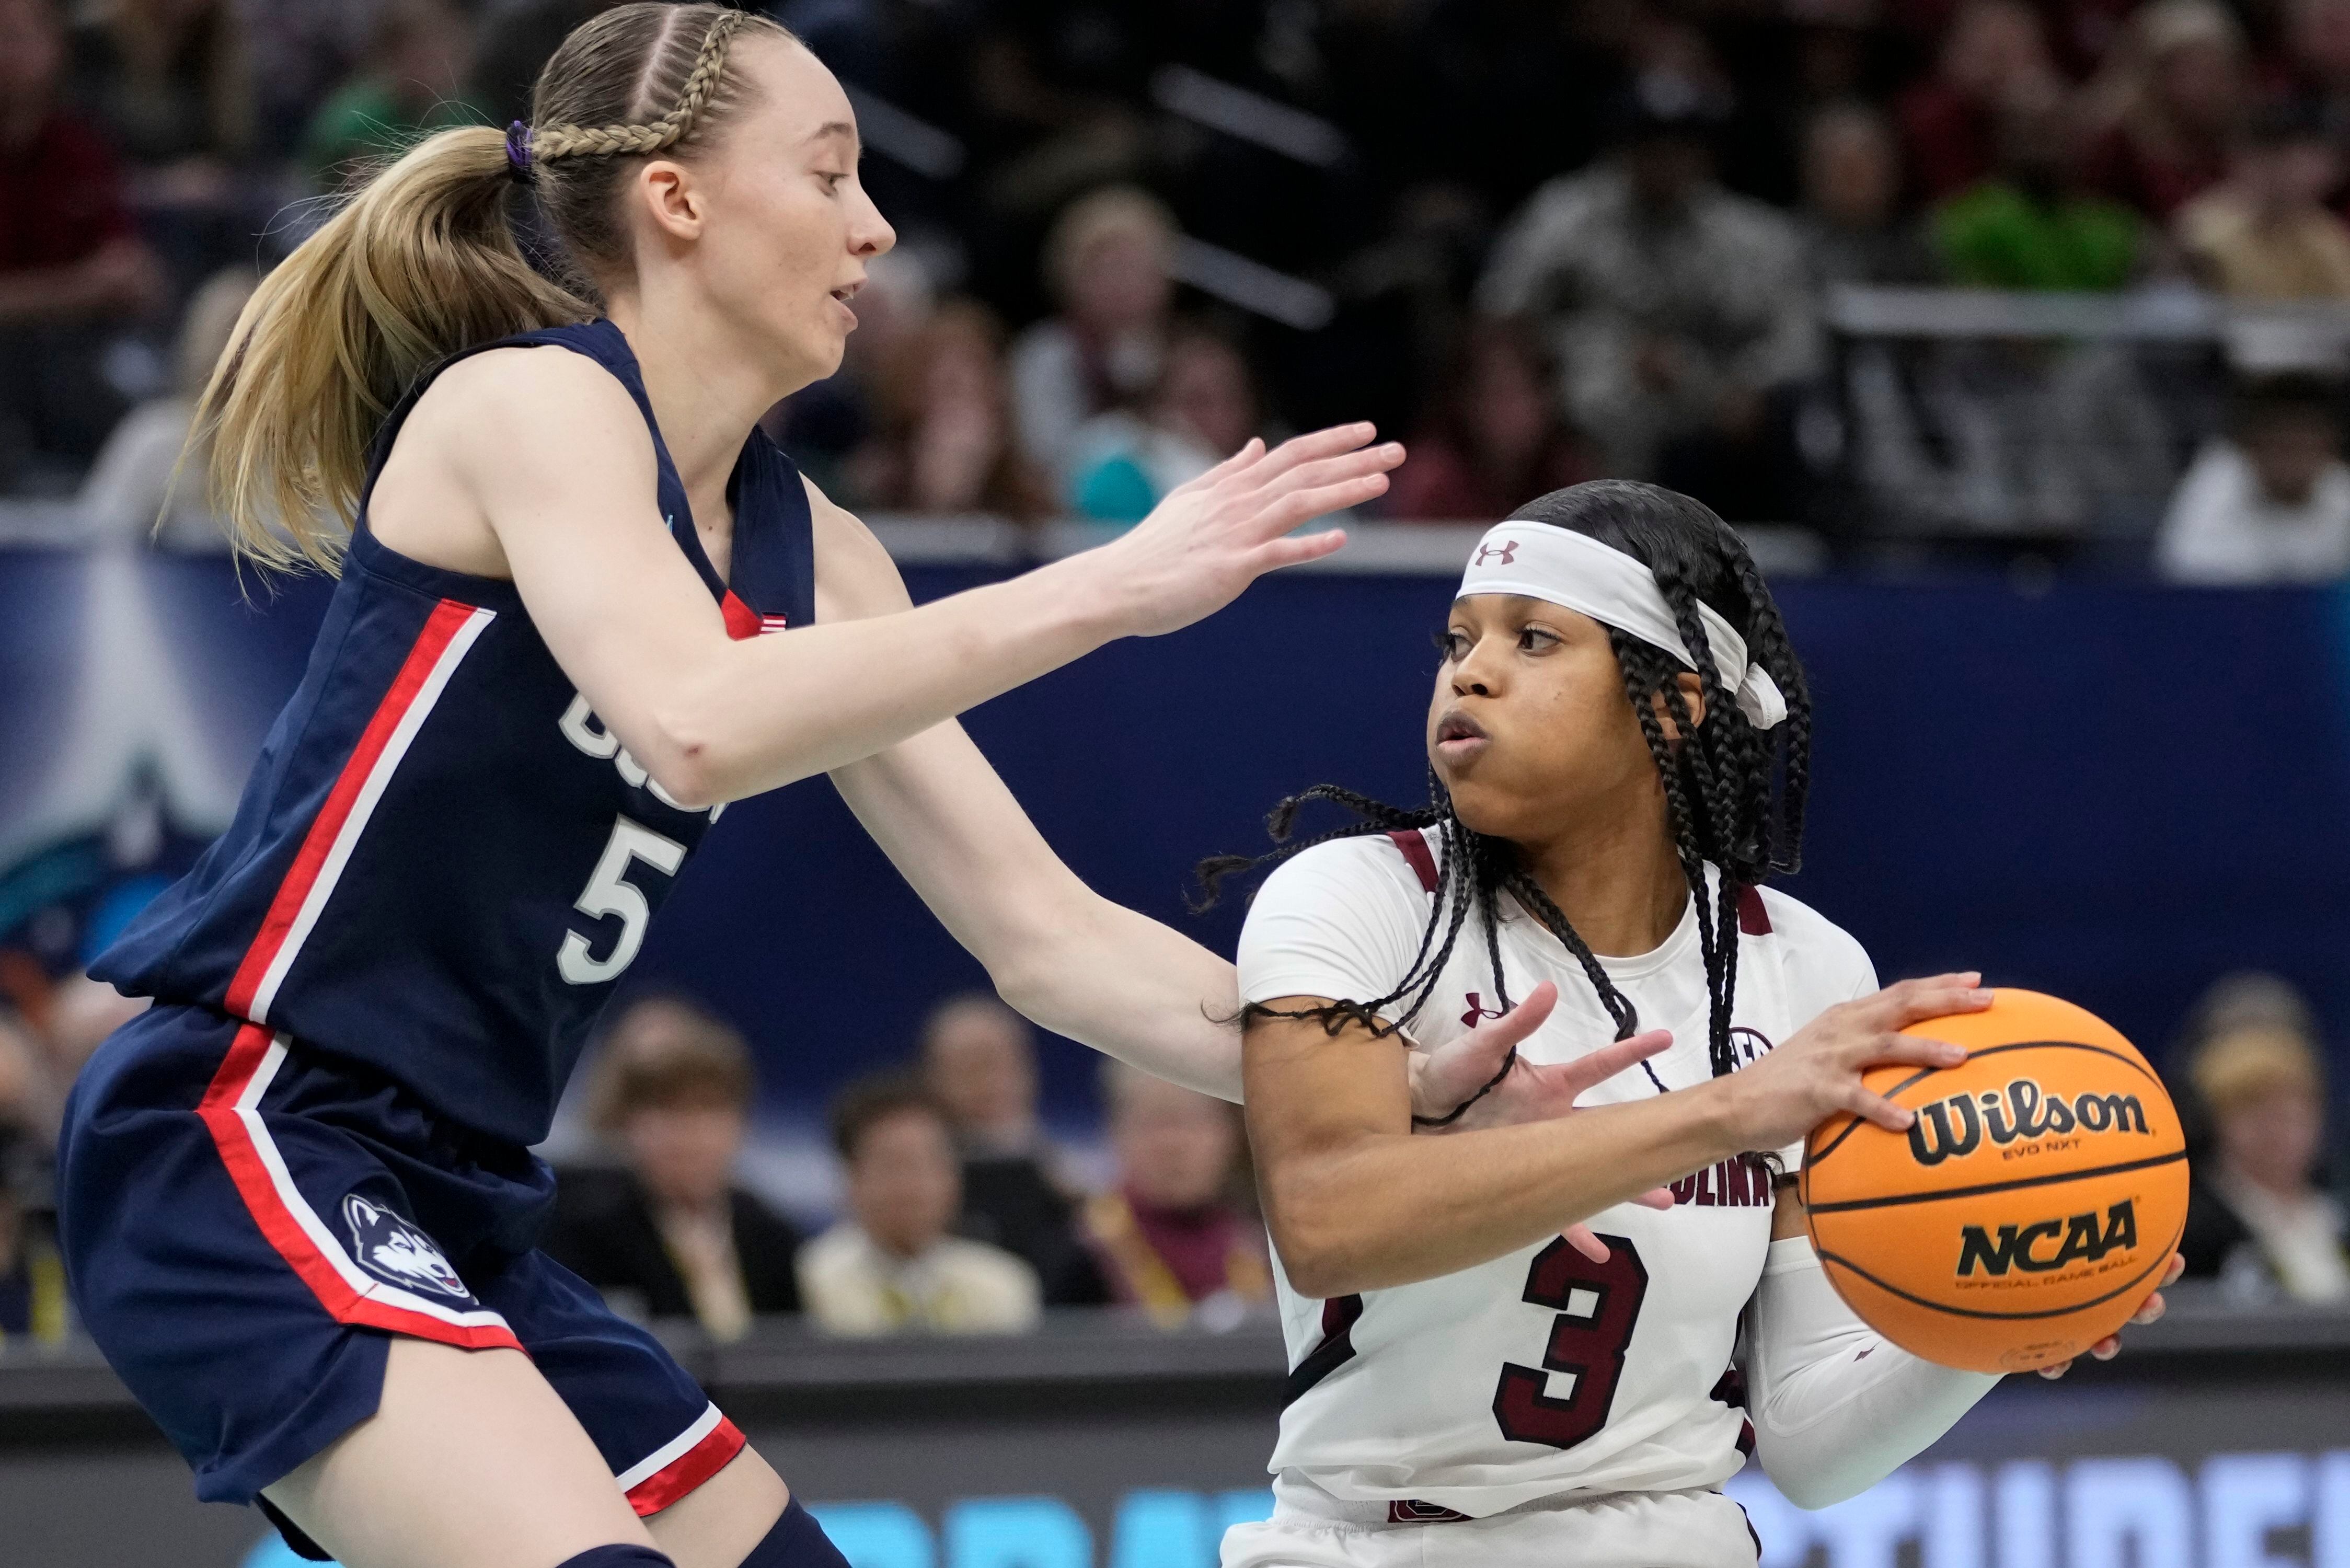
(444, 860)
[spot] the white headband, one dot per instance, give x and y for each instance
(1561, 567)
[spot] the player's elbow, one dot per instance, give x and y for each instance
(688, 759)
(683, 776)
(1811, 1492)
(1317, 1233)
(1809, 1483)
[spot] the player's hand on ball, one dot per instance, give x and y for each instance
(1213, 535)
(1815, 1072)
(1481, 1076)
(2110, 1346)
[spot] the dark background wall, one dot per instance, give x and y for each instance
(2114, 793)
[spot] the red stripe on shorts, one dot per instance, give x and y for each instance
(258, 1186)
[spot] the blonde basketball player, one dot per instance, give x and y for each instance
(1619, 736)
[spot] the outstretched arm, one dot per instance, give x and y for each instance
(1059, 952)
(549, 450)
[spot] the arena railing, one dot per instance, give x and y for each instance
(2058, 419)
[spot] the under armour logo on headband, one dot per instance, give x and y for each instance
(1564, 567)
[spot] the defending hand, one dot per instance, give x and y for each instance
(1215, 534)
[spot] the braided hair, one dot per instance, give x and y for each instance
(1735, 795)
(636, 81)
(423, 261)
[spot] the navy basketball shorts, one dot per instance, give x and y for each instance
(247, 1222)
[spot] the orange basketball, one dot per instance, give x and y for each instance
(2030, 1208)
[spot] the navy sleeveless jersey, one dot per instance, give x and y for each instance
(443, 861)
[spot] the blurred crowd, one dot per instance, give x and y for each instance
(954, 1211)
(1546, 239)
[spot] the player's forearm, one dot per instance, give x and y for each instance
(761, 713)
(1128, 986)
(1447, 1204)
(1835, 1408)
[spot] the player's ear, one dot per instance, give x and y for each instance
(1692, 692)
(671, 198)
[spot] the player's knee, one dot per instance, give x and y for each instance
(797, 1541)
(618, 1557)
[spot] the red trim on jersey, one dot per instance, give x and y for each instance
(743, 622)
(1415, 851)
(285, 1233)
(1754, 915)
(443, 625)
(687, 1470)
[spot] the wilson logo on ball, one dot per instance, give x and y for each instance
(1954, 1126)
(2083, 1242)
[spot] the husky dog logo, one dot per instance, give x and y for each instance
(392, 1250)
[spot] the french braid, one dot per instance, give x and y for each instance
(548, 143)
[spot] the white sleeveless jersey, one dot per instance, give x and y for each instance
(1539, 1373)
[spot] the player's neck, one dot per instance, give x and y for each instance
(706, 393)
(1617, 879)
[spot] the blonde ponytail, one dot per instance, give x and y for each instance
(419, 263)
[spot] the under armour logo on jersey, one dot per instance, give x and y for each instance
(1507, 550)
(1477, 1010)
(393, 1251)
(1411, 1511)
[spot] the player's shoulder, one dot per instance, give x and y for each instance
(1815, 946)
(529, 395)
(1388, 867)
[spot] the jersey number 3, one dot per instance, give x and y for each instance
(609, 892)
(1597, 1304)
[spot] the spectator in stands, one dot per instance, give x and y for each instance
(2168, 105)
(72, 269)
(672, 1234)
(1495, 438)
(1674, 306)
(2317, 61)
(2030, 224)
(948, 441)
(138, 485)
(2264, 233)
(168, 80)
(1169, 1240)
(1203, 408)
(1107, 263)
(32, 1277)
(1854, 230)
(892, 1266)
(1996, 50)
(413, 84)
(2268, 501)
(2257, 1220)
(32, 1100)
(979, 1057)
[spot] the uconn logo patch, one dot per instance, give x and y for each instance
(397, 1252)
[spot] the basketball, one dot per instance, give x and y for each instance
(2028, 1210)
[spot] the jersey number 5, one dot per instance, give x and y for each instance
(1597, 1305)
(609, 892)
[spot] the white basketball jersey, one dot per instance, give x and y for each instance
(1538, 1374)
